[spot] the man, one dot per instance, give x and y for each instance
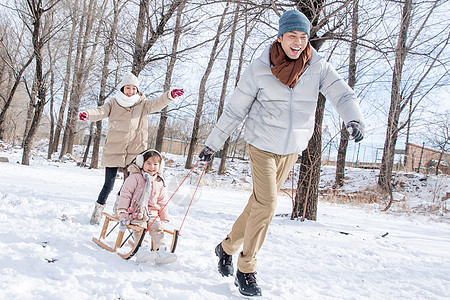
(278, 94)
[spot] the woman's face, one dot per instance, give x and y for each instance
(130, 90)
(151, 165)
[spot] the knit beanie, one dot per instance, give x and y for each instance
(293, 20)
(128, 78)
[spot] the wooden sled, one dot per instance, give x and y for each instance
(124, 249)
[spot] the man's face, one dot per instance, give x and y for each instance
(293, 43)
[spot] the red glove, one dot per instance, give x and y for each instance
(83, 116)
(176, 93)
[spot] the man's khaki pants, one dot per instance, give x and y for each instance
(269, 172)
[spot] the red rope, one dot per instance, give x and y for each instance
(148, 228)
(198, 183)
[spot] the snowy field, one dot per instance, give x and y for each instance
(350, 252)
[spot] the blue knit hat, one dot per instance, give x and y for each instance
(293, 20)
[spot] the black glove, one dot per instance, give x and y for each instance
(206, 154)
(355, 130)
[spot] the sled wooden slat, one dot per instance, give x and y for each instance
(118, 244)
(174, 234)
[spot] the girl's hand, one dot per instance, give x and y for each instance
(122, 224)
(176, 93)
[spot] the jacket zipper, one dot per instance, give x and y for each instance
(290, 110)
(288, 133)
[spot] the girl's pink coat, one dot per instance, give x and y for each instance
(157, 198)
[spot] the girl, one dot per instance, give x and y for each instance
(142, 198)
(128, 131)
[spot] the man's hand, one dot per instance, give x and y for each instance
(83, 116)
(206, 154)
(176, 93)
(356, 131)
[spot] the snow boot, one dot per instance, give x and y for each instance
(97, 213)
(225, 265)
(145, 255)
(165, 257)
(246, 282)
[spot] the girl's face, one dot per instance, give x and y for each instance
(151, 165)
(129, 90)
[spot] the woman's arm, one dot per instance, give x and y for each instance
(100, 112)
(156, 104)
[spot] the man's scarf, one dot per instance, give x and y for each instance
(288, 70)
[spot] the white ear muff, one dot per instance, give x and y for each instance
(140, 160)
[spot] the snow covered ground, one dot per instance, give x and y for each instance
(350, 252)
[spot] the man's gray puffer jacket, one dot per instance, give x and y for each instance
(280, 119)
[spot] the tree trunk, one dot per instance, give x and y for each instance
(223, 93)
(168, 80)
(343, 144)
(307, 195)
(202, 92)
(30, 108)
(439, 162)
(73, 105)
(62, 108)
(142, 47)
(222, 165)
(81, 73)
(408, 127)
(105, 72)
(340, 163)
(36, 11)
(387, 162)
(11, 94)
(52, 101)
(88, 144)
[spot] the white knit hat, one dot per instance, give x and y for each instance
(128, 78)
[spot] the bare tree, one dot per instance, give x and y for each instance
(40, 35)
(340, 163)
(307, 194)
(223, 93)
(169, 73)
(439, 135)
(146, 34)
(108, 49)
(400, 98)
(83, 66)
(16, 68)
(202, 90)
(52, 99)
(75, 19)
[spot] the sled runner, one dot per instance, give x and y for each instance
(127, 250)
(120, 245)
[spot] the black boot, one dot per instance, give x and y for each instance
(247, 284)
(225, 265)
